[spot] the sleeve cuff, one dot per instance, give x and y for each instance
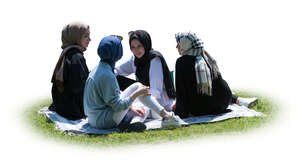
(128, 101)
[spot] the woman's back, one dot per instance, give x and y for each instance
(69, 103)
(188, 100)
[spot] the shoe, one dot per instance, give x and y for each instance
(248, 102)
(133, 127)
(173, 122)
(51, 107)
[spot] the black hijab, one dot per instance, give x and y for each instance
(143, 64)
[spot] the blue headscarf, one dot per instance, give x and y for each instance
(110, 50)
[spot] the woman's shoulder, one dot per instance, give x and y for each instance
(106, 78)
(185, 62)
(104, 72)
(101, 76)
(155, 52)
(74, 50)
(185, 58)
(74, 54)
(156, 56)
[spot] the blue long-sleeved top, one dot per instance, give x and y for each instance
(102, 97)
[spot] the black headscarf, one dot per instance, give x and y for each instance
(143, 64)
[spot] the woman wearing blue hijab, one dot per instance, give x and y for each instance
(105, 105)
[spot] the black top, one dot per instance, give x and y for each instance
(69, 103)
(187, 99)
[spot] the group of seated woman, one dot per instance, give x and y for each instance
(109, 99)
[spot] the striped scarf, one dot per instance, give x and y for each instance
(206, 68)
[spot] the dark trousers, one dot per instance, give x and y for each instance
(124, 82)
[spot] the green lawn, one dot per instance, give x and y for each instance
(41, 125)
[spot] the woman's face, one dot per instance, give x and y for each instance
(85, 40)
(137, 48)
(179, 49)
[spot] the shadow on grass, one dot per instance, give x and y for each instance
(44, 127)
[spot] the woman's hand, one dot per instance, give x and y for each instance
(138, 111)
(173, 107)
(141, 91)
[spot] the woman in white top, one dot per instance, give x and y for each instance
(149, 67)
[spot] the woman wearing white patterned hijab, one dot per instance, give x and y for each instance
(200, 89)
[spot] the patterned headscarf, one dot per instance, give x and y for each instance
(70, 36)
(190, 43)
(205, 66)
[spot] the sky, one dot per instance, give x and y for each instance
(254, 42)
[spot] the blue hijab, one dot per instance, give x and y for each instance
(110, 50)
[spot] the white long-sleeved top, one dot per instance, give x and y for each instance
(156, 79)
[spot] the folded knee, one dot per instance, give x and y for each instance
(137, 84)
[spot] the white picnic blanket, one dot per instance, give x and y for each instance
(82, 127)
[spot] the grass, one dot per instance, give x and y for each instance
(45, 127)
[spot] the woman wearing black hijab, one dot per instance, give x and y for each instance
(149, 67)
